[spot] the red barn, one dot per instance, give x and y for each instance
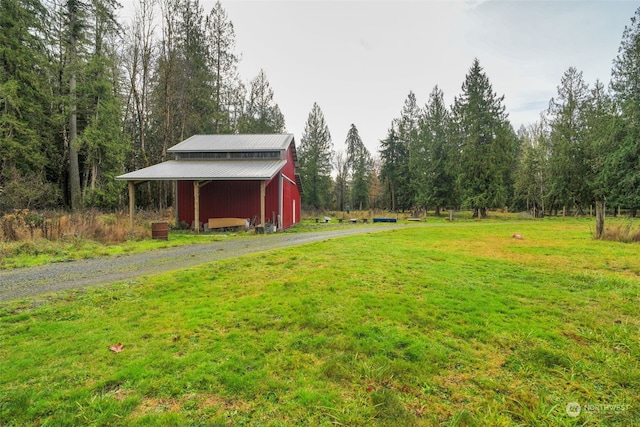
(231, 176)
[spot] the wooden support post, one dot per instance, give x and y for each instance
(600, 213)
(262, 201)
(132, 202)
(176, 211)
(196, 206)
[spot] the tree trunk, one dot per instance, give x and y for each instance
(600, 213)
(393, 197)
(437, 213)
(75, 195)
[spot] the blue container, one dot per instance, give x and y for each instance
(385, 220)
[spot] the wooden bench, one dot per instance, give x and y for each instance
(228, 223)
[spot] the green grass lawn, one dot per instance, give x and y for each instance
(451, 325)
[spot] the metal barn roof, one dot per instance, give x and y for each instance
(229, 143)
(208, 170)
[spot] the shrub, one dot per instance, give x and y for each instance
(625, 233)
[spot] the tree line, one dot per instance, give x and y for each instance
(84, 98)
(584, 150)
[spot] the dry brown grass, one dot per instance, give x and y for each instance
(27, 225)
(625, 233)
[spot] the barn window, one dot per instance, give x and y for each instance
(228, 155)
(256, 155)
(201, 156)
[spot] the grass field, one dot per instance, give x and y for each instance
(454, 324)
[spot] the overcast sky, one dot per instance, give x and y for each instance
(359, 59)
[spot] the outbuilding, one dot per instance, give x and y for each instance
(230, 176)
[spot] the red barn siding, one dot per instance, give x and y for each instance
(291, 204)
(271, 209)
(220, 199)
(291, 193)
(241, 199)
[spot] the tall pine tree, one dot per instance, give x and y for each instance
(486, 142)
(262, 114)
(394, 165)
(433, 157)
(101, 144)
(359, 165)
(408, 129)
(625, 83)
(569, 164)
(315, 154)
(25, 123)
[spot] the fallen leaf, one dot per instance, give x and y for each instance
(116, 348)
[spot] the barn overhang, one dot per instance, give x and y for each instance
(202, 172)
(207, 170)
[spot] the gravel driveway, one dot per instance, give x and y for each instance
(26, 282)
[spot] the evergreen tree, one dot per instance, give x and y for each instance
(624, 168)
(432, 157)
(532, 172)
(359, 166)
(262, 114)
(393, 155)
(195, 85)
(408, 129)
(486, 142)
(25, 125)
(75, 21)
(600, 123)
(101, 145)
(569, 165)
(83, 36)
(315, 153)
